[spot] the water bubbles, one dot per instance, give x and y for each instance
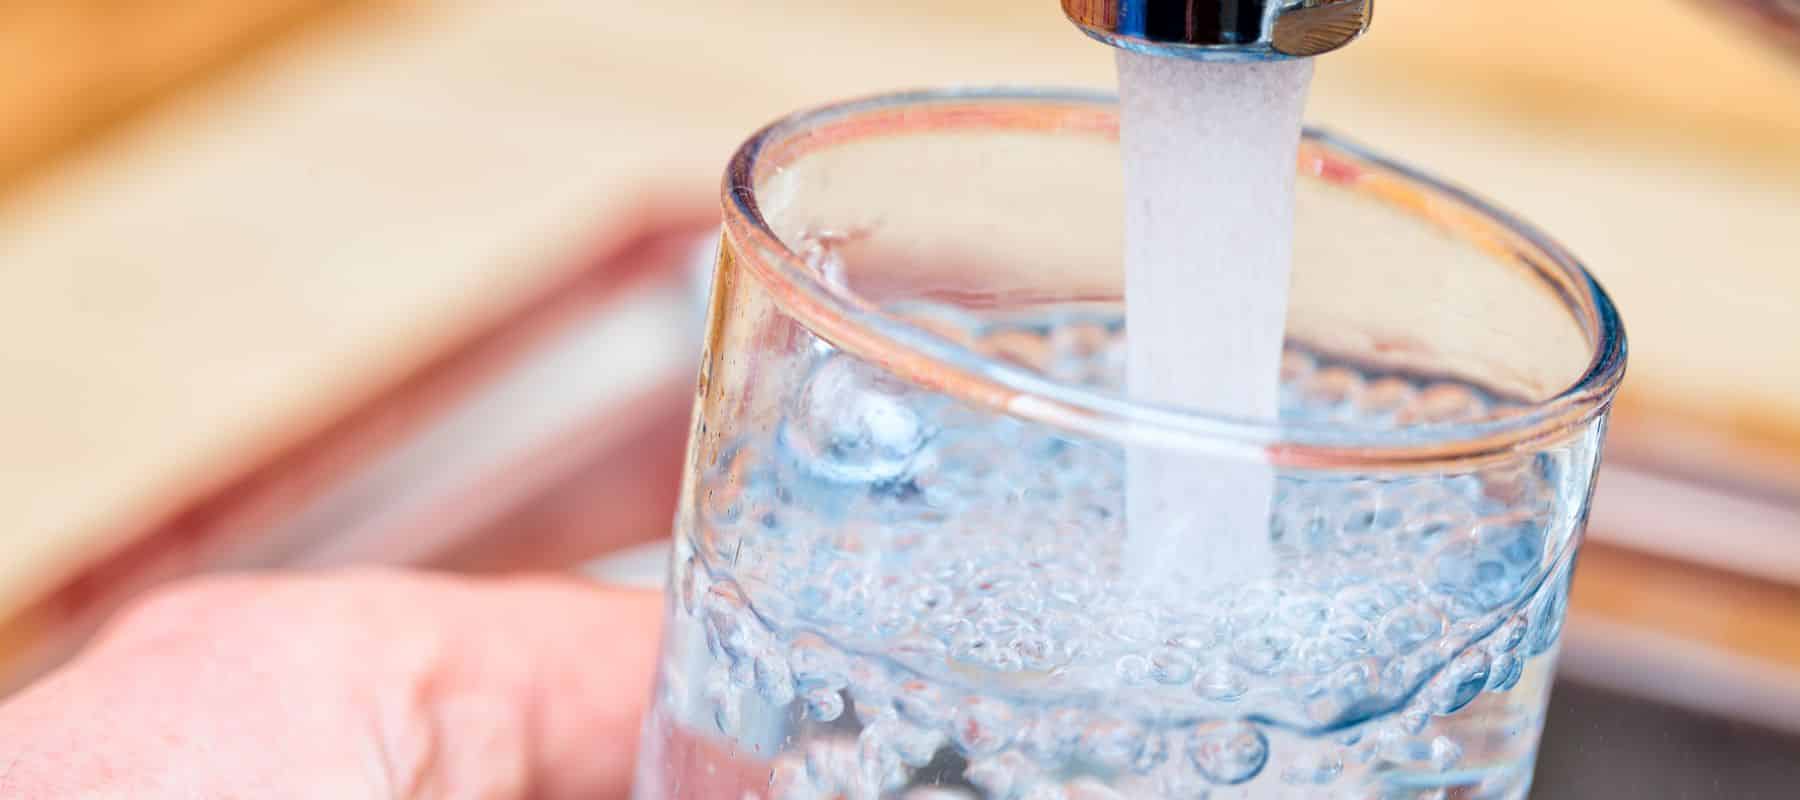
(1113, 744)
(921, 702)
(1036, 651)
(1054, 735)
(1263, 651)
(1313, 769)
(1413, 721)
(1305, 614)
(1518, 545)
(1507, 669)
(1343, 694)
(815, 663)
(1460, 682)
(824, 705)
(982, 726)
(1152, 754)
(854, 424)
(974, 648)
(1322, 654)
(1134, 629)
(929, 597)
(1221, 683)
(1133, 668)
(1228, 753)
(1509, 635)
(881, 566)
(1171, 666)
(1370, 601)
(726, 628)
(1406, 628)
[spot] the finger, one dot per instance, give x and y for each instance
(378, 685)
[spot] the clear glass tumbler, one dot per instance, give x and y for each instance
(896, 568)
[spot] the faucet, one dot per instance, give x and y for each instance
(1223, 30)
(1240, 30)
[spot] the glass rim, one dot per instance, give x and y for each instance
(923, 358)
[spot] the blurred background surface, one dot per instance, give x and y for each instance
(318, 281)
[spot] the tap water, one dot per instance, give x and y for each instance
(1208, 150)
(887, 594)
(891, 595)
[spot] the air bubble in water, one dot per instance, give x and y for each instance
(1507, 670)
(1460, 682)
(725, 613)
(1262, 651)
(982, 726)
(824, 705)
(1114, 744)
(1406, 628)
(1133, 668)
(1054, 736)
(921, 702)
(855, 424)
(815, 663)
(1228, 753)
(1315, 769)
(1369, 601)
(1510, 635)
(1221, 683)
(1171, 665)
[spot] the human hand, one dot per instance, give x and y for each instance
(367, 684)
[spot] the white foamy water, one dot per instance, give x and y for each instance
(1209, 184)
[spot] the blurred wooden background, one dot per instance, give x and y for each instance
(223, 223)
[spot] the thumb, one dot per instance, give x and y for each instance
(368, 684)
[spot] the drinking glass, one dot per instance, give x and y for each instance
(897, 560)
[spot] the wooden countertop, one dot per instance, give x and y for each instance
(242, 264)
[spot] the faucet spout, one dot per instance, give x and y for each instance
(1223, 30)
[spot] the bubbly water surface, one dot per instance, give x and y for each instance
(889, 595)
